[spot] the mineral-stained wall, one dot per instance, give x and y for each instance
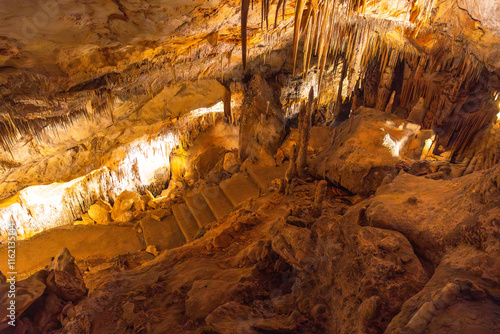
(309, 166)
(132, 153)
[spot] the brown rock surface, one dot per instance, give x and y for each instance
(262, 122)
(100, 212)
(125, 204)
(365, 149)
(101, 96)
(65, 278)
(41, 298)
(27, 292)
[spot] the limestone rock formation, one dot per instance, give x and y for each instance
(262, 123)
(41, 298)
(27, 292)
(231, 162)
(65, 279)
(365, 149)
(217, 167)
(125, 204)
(100, 212)
(319, 141)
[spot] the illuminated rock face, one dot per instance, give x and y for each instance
(386, 219)
(137, 159)
(365, 150)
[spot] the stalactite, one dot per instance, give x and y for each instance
(387, 75)
(227, 106)
(281, 3)
(144, 167)
(244, 20)
(338, 103)
(467, 128)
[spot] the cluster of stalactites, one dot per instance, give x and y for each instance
(330, 26)
(13, 127)
(345, 33)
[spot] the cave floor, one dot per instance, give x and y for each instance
(97, 241)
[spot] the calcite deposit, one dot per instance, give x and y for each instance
(245, 167)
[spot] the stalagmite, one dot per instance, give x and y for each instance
(291, 171)
(338, 103)
(319, 198)
(386, 77)
(388, 109)
(304, 133)
(418, 112)
(370, 221)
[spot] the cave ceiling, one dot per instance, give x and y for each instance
(60, 59)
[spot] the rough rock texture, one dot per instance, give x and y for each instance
(461, 297)
(419, 256)
(64, 278)
(44, 296)
(231, 162)
(125, 205)
(365, 149)
(441, 211)
(132, 153)
(271, 276)
(122, 86)
(321, 138)
(100, 212)
(27, 292)
(262, 123)
(453, 227)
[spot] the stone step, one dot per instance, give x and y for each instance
(200, 209)
(264, 175)
(216, 200)
(186, 221)
(164, 234)
(239, 188)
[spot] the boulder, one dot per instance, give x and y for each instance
(41, 298)
(86, 220)
(231, 162)
(431, 214)
(100, 212)
(125, 204)
(151, 249)
(65, 278)
(365, 149)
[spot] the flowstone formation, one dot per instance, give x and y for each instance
(309, 166)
